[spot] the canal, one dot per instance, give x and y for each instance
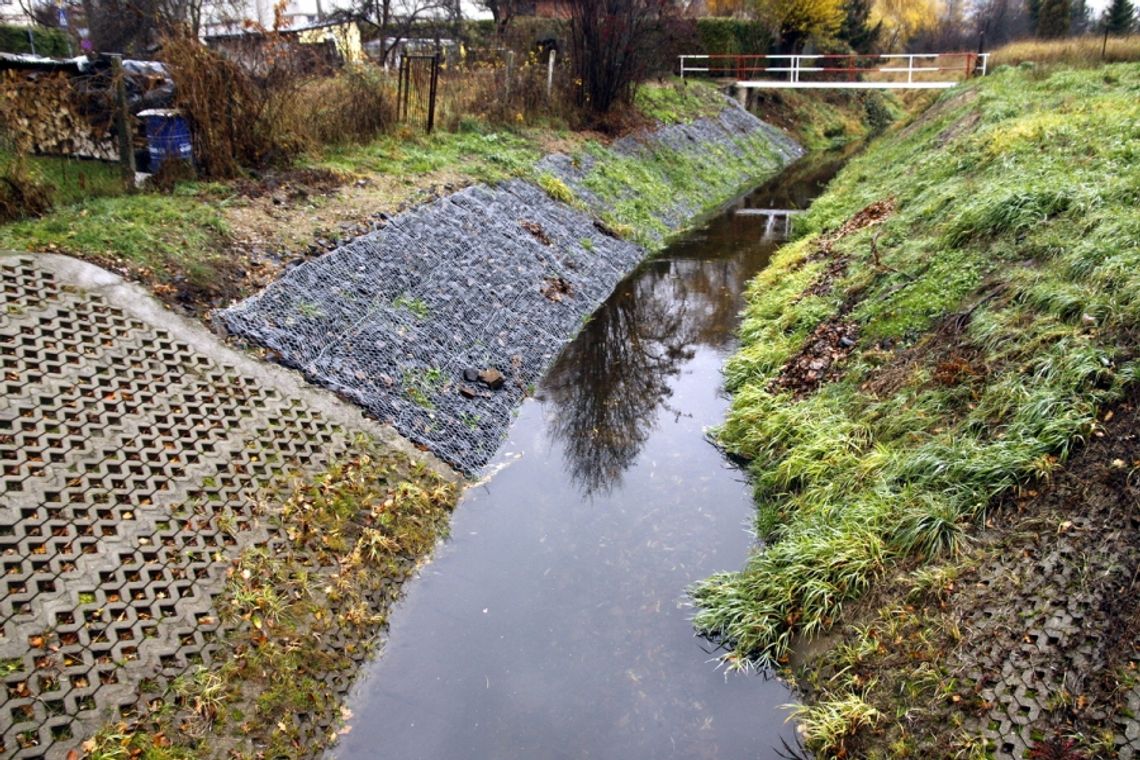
(554, 622)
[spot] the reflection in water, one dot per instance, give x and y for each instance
(609, 383)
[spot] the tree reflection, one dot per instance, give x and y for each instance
(607, 386)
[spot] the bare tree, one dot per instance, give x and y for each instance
(1000, 21)
(502, 11)
(134, 26)
(42, 12)
(609, 44)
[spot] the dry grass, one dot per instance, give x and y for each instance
(500, 95)
(355, 105)
(272, 108)
(1075, 51)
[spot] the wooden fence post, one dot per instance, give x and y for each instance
(123, 122)
(432, 90)
(510, 75)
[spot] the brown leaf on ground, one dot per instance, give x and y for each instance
(820, 359)
(823, 284)
(555, 288)
(872, 214)
(875, 213)
(535, 229)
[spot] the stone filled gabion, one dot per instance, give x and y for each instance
(399, 320)
(726, 132)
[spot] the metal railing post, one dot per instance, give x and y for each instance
(910, 69)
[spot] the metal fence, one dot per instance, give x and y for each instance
(850, 71)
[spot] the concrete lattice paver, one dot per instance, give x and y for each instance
(1050, 634)
(132, 446)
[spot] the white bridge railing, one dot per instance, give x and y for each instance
(772, 216)
(830, 70)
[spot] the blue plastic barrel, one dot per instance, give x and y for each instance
(167, 136)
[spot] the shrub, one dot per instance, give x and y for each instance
(610, 48)
(49, 42)
(727, 36)
(272, 108)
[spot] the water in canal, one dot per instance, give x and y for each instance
(554, 622)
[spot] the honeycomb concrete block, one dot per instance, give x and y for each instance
(132, 445)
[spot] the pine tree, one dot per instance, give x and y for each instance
(1033, 8)
(1053, 18)
(1119, 17)
(857, 30)
(1079, 19)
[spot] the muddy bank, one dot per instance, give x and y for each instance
(442, 321)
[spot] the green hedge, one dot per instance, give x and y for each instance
(704, 35)
(730, 35)
(49, 42)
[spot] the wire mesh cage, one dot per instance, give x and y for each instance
(487, 280)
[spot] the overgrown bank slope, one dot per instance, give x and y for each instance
(966, 298)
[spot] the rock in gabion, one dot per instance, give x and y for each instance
(402, 321)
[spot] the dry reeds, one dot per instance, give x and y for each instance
(1082, 52)
(356, 105)
(506, 91)
(271, 106)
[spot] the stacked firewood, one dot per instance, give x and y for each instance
(42, 114)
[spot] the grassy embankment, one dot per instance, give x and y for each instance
(207, 243)
(962, 301)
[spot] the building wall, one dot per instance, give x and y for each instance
(12, 14)
(345, 36)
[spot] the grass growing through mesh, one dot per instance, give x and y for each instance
(1017, 212)
(675, 101)
(637, 191)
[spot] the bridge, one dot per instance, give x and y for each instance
(893, 71)
(772, 216)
